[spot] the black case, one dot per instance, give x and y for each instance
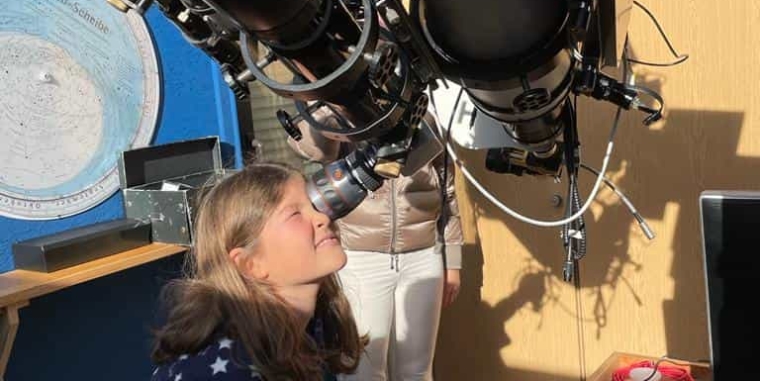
(72, 247)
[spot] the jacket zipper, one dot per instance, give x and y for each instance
(393, 254)
(393, 216)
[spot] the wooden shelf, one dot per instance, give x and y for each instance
(21, 285)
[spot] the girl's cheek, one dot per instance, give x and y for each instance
(297, 226)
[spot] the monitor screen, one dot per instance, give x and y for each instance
(730, 239)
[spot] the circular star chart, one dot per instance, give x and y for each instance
(79, 83)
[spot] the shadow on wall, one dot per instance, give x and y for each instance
(670, 163)
(472, 331)
(694, 151)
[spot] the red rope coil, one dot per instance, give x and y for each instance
(669, 373)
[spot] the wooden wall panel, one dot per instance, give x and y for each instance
(515, 319)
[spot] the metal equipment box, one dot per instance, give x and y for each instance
(161, 184)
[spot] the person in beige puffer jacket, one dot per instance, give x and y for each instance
(395, 278)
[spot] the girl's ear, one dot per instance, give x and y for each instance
(250, 264)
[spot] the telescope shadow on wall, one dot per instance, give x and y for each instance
(662, 170)
(694, 151)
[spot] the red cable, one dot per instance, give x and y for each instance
(670, 373)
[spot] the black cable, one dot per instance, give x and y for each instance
(582, 242)
(576, 246)
(571, 142)
(656, 23)
(655, 114)
(580, 224)
(680, 58)
(657, 365)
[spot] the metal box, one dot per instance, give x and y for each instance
(161, 183)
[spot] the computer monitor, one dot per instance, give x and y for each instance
(731, 250)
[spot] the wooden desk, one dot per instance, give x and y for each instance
(17, 287)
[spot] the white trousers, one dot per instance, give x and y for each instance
(396, 300)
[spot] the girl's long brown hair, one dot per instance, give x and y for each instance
(214, 298)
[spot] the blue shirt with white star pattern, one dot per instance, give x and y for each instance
(215, 362)
(222, 360)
